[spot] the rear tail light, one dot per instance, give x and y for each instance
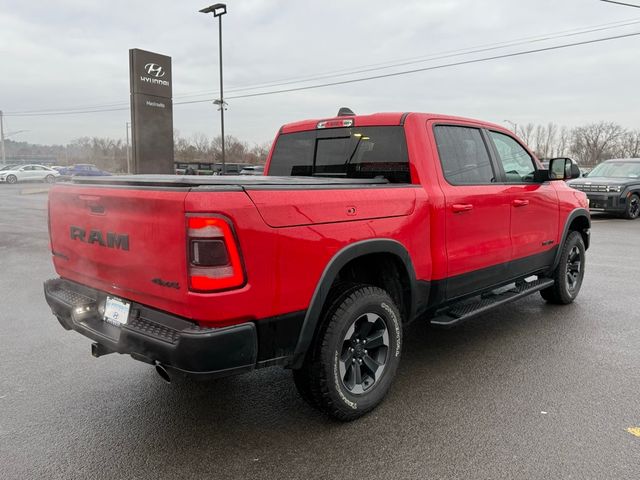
(214, 258)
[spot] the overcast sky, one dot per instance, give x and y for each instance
(64, 54)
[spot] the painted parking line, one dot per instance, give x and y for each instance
(31, 191)
(634, 431)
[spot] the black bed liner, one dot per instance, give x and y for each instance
(221, 180)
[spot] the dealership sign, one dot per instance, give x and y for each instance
(151, 111)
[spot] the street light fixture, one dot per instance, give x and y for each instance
(218, 10)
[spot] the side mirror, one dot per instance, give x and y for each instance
(563, 169)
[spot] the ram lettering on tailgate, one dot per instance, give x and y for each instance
(109, 240)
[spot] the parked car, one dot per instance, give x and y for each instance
(362, 225)
(84, 170)
(229, 168)
(26, 173)
(252, 170)
(613, 187)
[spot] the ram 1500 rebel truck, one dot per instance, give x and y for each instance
(363, 224)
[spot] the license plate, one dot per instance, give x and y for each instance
(116, 311)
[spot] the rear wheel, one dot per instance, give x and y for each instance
(569, 273)
(50, 179)
(12, 179)
(356, 353)
(633, 207)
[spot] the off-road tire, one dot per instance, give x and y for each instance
(562, 292)
(320, 381)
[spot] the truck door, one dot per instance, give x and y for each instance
(477, 212)
(534, 206)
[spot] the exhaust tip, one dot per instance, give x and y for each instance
(163, 373)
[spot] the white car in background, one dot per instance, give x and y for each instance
(27, 173)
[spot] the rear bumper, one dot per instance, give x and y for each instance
(154, 336)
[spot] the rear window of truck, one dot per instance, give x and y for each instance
(366, 152)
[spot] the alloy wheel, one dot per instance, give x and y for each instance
(364, 353)
(634, 207)
(574, 269)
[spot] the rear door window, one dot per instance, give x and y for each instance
(464, 156)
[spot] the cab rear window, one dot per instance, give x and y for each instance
(367, 152)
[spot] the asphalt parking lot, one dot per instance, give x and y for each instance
(529, 391)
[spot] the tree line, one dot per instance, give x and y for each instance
(588, 145)
(111, 154)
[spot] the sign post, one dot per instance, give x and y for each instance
(151, 112)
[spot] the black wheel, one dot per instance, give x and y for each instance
(633, 207)
(12, 179)
(50, 179)
(355, 355)
(569, 273)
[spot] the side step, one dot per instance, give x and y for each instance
(463, 311)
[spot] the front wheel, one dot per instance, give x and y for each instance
(633, 207)
(12, 179)
(569, 273)
(354, 358)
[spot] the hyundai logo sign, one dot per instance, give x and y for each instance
(154, 69)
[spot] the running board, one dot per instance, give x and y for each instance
(459, 313)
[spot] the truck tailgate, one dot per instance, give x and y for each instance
(121, 238)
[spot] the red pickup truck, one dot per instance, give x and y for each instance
(363, 224)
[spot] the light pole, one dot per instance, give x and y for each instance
(127, 124)
(218, 10)
(3, 137)
(4, 158)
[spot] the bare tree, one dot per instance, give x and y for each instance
(629, 144)
(526, 133)
(595, 142)
(562, 143)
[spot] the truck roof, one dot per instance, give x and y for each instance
(382, 118)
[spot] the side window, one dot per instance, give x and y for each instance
(464, 156)
(517, 163)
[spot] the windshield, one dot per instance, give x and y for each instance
(365, 152)
(617, 170)
(8, 167)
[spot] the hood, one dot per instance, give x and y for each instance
(603, 181)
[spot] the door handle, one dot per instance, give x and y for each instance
(461, 207)
(520, 203)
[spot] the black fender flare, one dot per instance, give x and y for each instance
(339, 260)
(578, 212)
